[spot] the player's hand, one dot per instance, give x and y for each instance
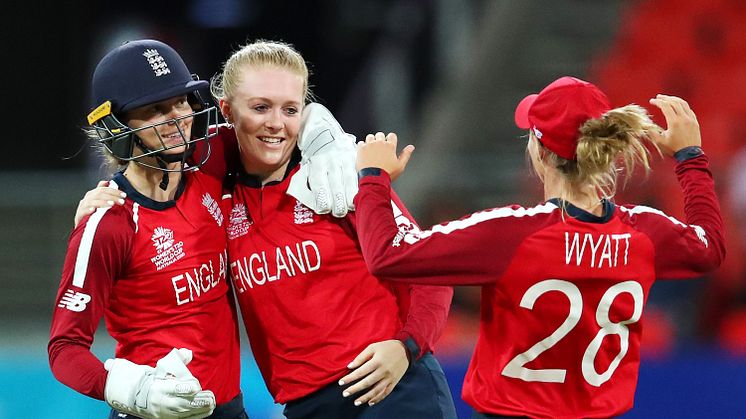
(326, 181)
(102, 196)
(167, 391)
(380, 151)
(683, 127)
(378, 368)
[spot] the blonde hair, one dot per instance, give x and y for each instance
(608, 146)
(260, 53)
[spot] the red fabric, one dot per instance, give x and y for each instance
(308, 302)
(561, 298)
(556, 114)
(158, 277)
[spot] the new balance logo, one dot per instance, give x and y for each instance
(74, 301)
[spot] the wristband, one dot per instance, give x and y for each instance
(688, 153)
(413, 349)
(368, 171)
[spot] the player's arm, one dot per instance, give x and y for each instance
(102, 196)
(222, 152)
(96, 252)
(696, 246)
(424, 310)
(474, 250)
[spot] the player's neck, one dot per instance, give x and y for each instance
(147, 181)
(586, 199)
(265, 173)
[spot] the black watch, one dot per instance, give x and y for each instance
(687, 153)
(368, 171)
(413, 349)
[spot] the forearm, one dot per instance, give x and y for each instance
(74, 365)
(447, 255)
(426, 317)
(701, 205)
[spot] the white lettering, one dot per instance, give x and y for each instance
(295, 257)
(260, 269)
(268, 275)
(306, 244)
(200, 280)
(289, 261)
(179, 290)
(281, 265)
(609, 252)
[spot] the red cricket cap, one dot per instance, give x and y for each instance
(556, 114)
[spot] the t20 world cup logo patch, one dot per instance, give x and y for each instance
(167, 249)
(239, 223)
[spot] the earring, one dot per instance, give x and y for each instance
(228, 121)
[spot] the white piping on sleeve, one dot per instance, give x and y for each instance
(84, 249)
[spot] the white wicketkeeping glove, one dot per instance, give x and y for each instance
(167, 391)
(327, 180)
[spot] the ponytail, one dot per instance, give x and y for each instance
(608, 145)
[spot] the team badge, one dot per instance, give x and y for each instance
(157, 63)
(167, 249)
(213, 208)
(238, 223)
(302, 214)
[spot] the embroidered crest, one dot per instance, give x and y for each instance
(213, 208)
(157, 63)
(302, 214)
(167, 251)
(238, 222)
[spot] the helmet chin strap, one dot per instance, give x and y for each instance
(162, 159)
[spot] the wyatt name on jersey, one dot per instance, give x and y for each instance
(609, 249)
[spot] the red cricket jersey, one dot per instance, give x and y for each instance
(562, 297)
(157, 273)
(308, 302)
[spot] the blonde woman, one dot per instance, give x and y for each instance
(331, 340)
(564, 283)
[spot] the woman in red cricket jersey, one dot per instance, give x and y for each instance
(298, 276)
(155, 266)
(564, 283)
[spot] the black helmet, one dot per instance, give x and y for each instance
(139, 73)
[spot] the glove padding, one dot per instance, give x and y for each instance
(167, 391)
(327, 180)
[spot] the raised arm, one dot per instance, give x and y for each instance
(696, 246)
(471, 251)
(423, 310)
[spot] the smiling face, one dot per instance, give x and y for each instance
(173, 135)
(265, 110)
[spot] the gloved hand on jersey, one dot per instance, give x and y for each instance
(327, 180)
(167, 391)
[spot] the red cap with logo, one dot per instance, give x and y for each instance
(556, 114)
